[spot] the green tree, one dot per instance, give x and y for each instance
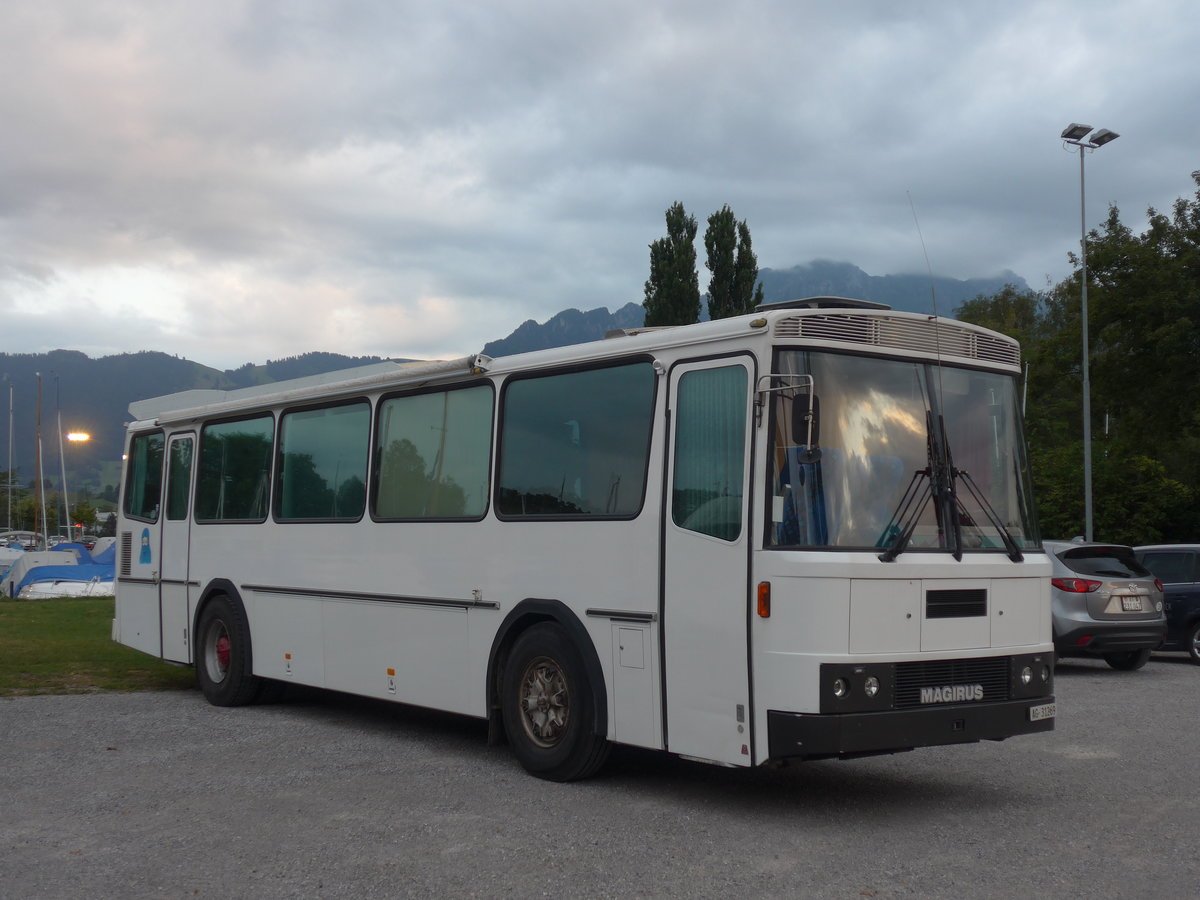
(83, 513)
(673, 289)
(733, 288)
(1144, 359)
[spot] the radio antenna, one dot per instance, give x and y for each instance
(928, 267)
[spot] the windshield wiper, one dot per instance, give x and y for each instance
(900, 527)
(1010, 543)
(935, 482)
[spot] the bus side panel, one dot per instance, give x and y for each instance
(138, 612)
(286, 637)
(373, 648)
(137, 623)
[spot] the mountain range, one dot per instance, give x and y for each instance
(822, 278)
(115, 381)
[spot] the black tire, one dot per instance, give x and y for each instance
(1129, 660)
(1192, 643)
(223, 655)
(549, 707)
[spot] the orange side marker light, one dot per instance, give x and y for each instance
(764, 599)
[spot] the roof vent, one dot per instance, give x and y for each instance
(822, 303)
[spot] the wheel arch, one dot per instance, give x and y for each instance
(520, 618)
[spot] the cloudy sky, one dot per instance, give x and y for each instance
(235, 181)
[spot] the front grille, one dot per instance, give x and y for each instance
(958, 604)
(991, 673)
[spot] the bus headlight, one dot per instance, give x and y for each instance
(871, 686)
(1027, 675)
(841, 687)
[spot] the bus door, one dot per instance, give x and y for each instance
(706, 558)
(173, 552)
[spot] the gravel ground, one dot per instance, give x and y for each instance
(161, 795)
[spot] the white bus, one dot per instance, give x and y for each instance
(799, 534)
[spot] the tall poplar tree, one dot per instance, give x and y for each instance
(733, 288)
(673, 289)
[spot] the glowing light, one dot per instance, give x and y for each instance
(78, 436)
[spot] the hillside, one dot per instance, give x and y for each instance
(93, 395)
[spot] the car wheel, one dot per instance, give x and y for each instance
(549, 707)
(1129, 660)
(1192, 644)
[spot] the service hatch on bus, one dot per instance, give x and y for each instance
(804, 533)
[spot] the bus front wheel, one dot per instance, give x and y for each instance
(223, 655)
(549, 707)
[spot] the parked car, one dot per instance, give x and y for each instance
(1178, 568)
(1104, 603)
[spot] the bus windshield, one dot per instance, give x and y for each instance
(903, 456)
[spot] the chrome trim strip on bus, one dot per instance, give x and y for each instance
(455, 602)
(621, 615)
(178, 581)
(126, 579)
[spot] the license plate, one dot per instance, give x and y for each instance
(1043, 711)
(1131, 604)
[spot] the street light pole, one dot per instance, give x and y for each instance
(1077, 135)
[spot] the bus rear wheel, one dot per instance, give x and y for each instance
(549, 707)
(223, 655)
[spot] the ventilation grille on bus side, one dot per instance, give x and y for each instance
(126, 552)
(921, 335)
(991, 674)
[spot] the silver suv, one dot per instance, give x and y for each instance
(1104, 603)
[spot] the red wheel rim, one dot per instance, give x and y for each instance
(223, 651)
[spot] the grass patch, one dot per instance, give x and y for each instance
(64, 646)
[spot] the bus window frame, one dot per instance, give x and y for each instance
(376, 462)
(225, 420)
(277, 463)
(161, 512)
(590, 366)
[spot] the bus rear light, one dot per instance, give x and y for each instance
(1075, 585)
(764, 599)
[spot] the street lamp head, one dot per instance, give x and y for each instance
(1103, 136)
(1075, 132)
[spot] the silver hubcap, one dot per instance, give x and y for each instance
(545, 702)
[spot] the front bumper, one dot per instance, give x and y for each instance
(813, 736)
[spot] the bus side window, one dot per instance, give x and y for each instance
(323, 463)
(235, 463)
(143, 480)
(576, 443)
(710, 464)
(434, 453)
